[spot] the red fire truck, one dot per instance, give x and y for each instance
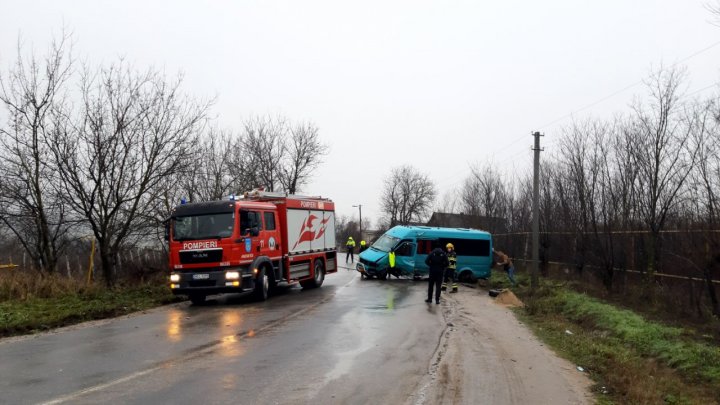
(251, 243)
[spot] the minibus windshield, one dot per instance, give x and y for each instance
(385, 243)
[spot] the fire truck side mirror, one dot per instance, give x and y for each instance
(166, 235)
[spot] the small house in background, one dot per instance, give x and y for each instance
(491, 224)
(371, 235)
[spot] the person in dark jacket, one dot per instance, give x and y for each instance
(437, 260)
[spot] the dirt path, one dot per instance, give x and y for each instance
(486, 356)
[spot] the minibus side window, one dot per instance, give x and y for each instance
(468, 247)
(405, 249)
(424, 247)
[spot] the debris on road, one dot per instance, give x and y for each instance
(506, 297)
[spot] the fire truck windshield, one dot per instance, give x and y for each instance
(385, 243)
(210, 226)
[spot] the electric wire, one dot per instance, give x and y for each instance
(611, 95)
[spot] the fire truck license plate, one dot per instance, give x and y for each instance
(201, 276)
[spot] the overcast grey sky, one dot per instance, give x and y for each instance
(440, 85)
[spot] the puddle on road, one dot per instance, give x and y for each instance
(393, 299)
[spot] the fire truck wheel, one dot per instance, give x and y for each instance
(197, 299)
(262, 285)
(272, 282)
(319, 277)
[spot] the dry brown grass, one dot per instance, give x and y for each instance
(30, 303)
(24, 285)
(644, 381)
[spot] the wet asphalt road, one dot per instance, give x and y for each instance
(351, 341)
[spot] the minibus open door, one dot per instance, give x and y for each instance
(404, 259)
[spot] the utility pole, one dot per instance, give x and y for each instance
(359, 206)
(536, 209)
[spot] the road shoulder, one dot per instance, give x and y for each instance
(486, 355)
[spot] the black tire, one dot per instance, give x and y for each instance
(262, 285)
(382, 275)
(318, 275)
(273, 283)
(467, 277)
(197, 299)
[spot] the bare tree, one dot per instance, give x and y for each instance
(264, 143)
(449, 202)
(714, 9)
(706, 182)
(591, 201)
(304, 154)
(552, 191)
(484, 193)
(407, 196)
(660, 151)
(582, 166)
(520, 205)
(217, 168)
(134, 131)
(29, 204)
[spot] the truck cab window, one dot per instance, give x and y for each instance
(250, 222)
(269, 221)
(207, 226)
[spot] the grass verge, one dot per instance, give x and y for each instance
(631, 359)
(34, 314)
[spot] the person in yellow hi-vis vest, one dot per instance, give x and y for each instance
(450, 272)
(391, 259)
(350, 247)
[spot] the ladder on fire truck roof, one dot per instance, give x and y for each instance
(261, 193)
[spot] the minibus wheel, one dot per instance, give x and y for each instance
(467, 277)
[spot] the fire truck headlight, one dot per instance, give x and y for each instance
(174, 278)
(232, 275)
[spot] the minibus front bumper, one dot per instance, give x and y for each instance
(366, 269)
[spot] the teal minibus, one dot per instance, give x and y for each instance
(411, 245)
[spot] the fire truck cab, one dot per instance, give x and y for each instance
(251, 243)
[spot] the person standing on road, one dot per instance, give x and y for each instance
(363, 246)
(507, 264)
(437, 260)
(350, 247)
(450, 272)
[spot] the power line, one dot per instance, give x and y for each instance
(594, 103)
(703, 89)
(554, 142)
